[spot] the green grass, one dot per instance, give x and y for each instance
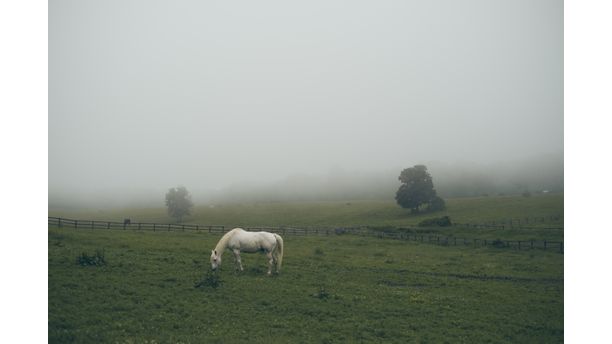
(331, 290)
(346, 213)
(381, 214)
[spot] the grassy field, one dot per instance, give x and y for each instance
(347, 289)
(347, 213)
(364, 213)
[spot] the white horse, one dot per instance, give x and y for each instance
(238, 240)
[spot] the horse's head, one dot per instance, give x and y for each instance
(215, 259)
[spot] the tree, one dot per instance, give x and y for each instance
(417, 190)
(178, 201)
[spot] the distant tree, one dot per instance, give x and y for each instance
(178, 201)
(417, 190)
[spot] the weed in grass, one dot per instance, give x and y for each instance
(211, 279)
(322, 294)
(97, 259)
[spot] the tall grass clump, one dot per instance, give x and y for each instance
(97, 259)
(211, 280)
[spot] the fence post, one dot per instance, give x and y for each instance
(75, 223)
(154, 225)
(59, 222)
(544, 244)
(519, 244)
(92, 224)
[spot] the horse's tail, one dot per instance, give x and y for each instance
(278, 252)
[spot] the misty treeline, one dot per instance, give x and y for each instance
(544, 173)
(451, 180)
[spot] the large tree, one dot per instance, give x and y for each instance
(417, 190)
(178, 201)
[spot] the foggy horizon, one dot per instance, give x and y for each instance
(451, 180)
(147, 95)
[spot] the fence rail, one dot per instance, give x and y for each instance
(517, 223)
(323, 231)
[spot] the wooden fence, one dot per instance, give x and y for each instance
(323, 231)
(516, 223)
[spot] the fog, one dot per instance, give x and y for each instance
(313, 100)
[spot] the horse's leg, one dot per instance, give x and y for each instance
(275, 256)
(238, 261)
(270, 262)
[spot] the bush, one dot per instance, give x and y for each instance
(94, 260)
(443, 221)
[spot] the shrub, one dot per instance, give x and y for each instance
(443, 221)
(96, 259)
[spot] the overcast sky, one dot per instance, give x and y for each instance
(154, 94)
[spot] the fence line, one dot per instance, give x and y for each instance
(515, 223)
(312, 231)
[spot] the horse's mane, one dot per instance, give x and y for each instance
(222, 244)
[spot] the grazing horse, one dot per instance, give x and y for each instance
(238, 240)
